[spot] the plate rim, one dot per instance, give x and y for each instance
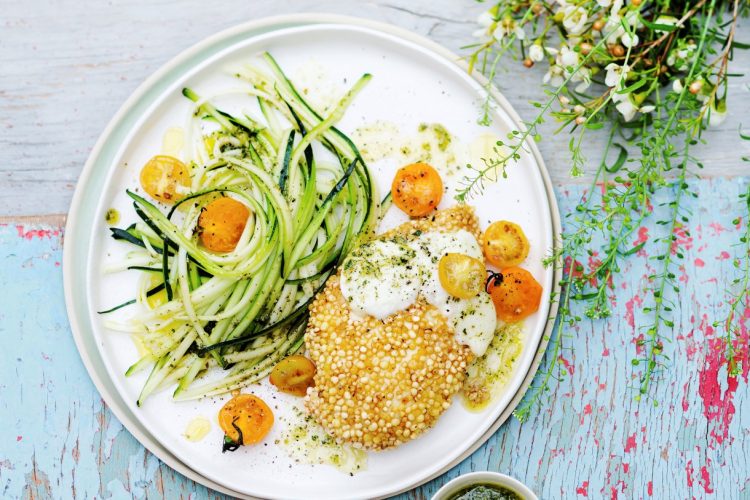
(251, 29)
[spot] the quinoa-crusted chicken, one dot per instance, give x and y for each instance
(380, 383)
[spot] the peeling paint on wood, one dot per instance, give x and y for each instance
(591, 439)
(68, 66)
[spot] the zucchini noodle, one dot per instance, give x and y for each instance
(216, 322)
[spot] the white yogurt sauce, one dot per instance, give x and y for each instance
(383, 277)
(379, 278)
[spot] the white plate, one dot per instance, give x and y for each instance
(411, 84)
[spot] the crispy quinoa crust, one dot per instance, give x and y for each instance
(448, 220)
(382, 383)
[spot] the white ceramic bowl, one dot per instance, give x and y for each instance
(483, 477)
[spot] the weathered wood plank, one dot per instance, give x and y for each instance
(591, 438)
(68, 66)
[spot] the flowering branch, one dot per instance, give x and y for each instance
(647, 69)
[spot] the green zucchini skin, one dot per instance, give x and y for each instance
(312, 199)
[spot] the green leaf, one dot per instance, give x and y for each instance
(668, 28)
(622, 157)
(640, 83)
(633, 250)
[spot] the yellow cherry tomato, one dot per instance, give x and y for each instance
(417, 189)
(293, 375)
(515, 293)
(505, 244)
(221, 224)
(165, 178)
(248, 413)
(461, 276)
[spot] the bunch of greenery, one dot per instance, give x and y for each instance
(653, 74)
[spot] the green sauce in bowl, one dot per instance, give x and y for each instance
(486, 491)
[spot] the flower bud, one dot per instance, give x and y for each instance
(537, 8)
(617, 50)
(598, 25)
(580, 120)
(696, 86)
(635, 3)
(507, 22)
(528, 62)
(586, 48)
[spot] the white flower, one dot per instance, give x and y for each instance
(616, 7)
(615, 74)
(677, 86)
(682, 56)
(554, 76)
(677, 56)
(506, 27)
(567, 57)
(566, 65)
(536, 52)
(613, 29)
(627, 109)
(583, 75)
(716, 116)
(617, 96)
(701, 90)
(604, 3)
(629, 39)
(573, 40)
(499, 32)
(633, 19)
(485, 19)
(575, 19)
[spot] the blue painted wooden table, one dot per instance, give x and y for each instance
(589, 439)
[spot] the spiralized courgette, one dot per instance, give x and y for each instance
(311, 197)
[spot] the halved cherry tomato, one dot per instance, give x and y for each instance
(515, 293)
(293, 375)
(162, 177)
(417, 189)
(248, 413)
(461, 275)
(504, 244)
(222, 222)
